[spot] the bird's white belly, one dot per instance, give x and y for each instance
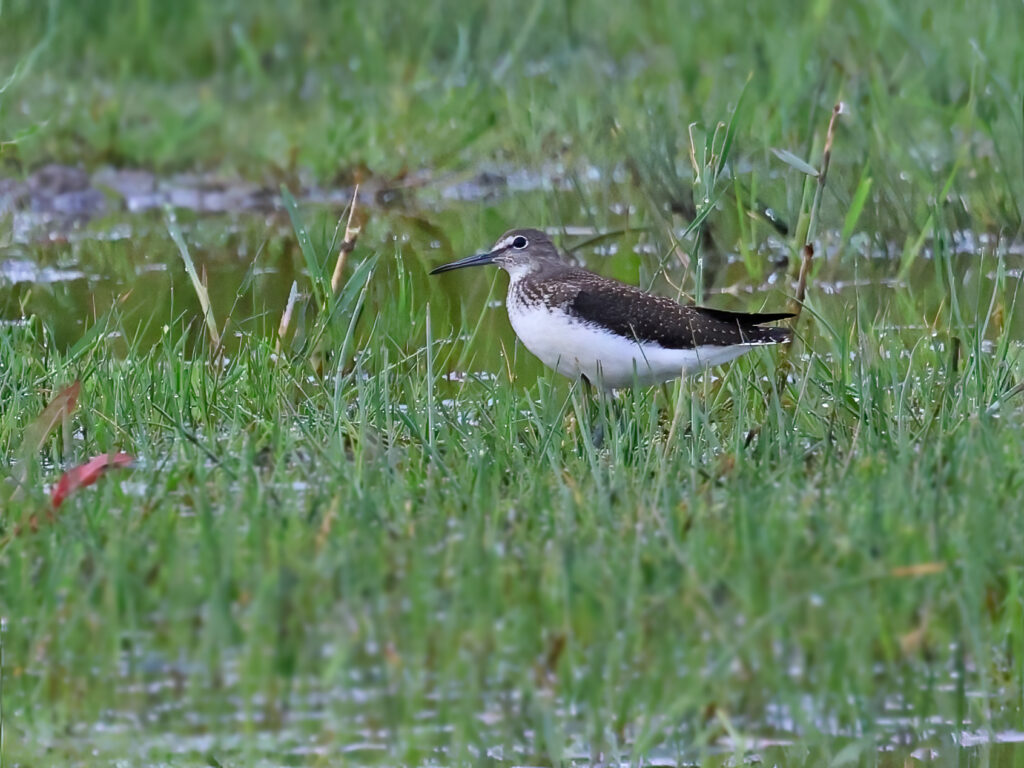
(572, 348)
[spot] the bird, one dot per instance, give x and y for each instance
(612, 334)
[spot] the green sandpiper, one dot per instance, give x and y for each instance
(611, 333)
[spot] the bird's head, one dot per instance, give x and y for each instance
(518, 252)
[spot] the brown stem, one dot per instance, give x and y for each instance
(347, 244)
(808, 249)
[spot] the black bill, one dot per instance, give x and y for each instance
(477, 260)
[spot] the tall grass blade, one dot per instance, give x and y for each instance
(197, 283)
(317, 275)
(795, 162)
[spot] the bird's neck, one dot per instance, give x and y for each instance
(538, 284)
(538, 270)
(518, 272)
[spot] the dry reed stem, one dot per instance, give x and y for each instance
(286, 316)
(347, 244)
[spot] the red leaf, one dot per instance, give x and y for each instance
(86, 474)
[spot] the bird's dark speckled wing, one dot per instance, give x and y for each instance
(628, 311)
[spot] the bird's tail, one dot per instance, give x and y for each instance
(744, 318)
(749, 324)
(756, 334)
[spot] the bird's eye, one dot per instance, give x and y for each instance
(520, 242)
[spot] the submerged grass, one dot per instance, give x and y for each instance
(381, 532)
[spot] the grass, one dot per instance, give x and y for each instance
(274, 91)
(390, 533)
(843, 529)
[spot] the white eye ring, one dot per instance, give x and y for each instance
(520, 242)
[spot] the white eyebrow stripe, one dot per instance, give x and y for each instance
(504, 243)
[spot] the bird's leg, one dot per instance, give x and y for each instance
(597, 431)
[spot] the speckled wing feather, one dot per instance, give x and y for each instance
(628, 311)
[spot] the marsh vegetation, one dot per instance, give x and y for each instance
(384, 535)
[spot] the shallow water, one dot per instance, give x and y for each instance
(165, 714)
(74, 245)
